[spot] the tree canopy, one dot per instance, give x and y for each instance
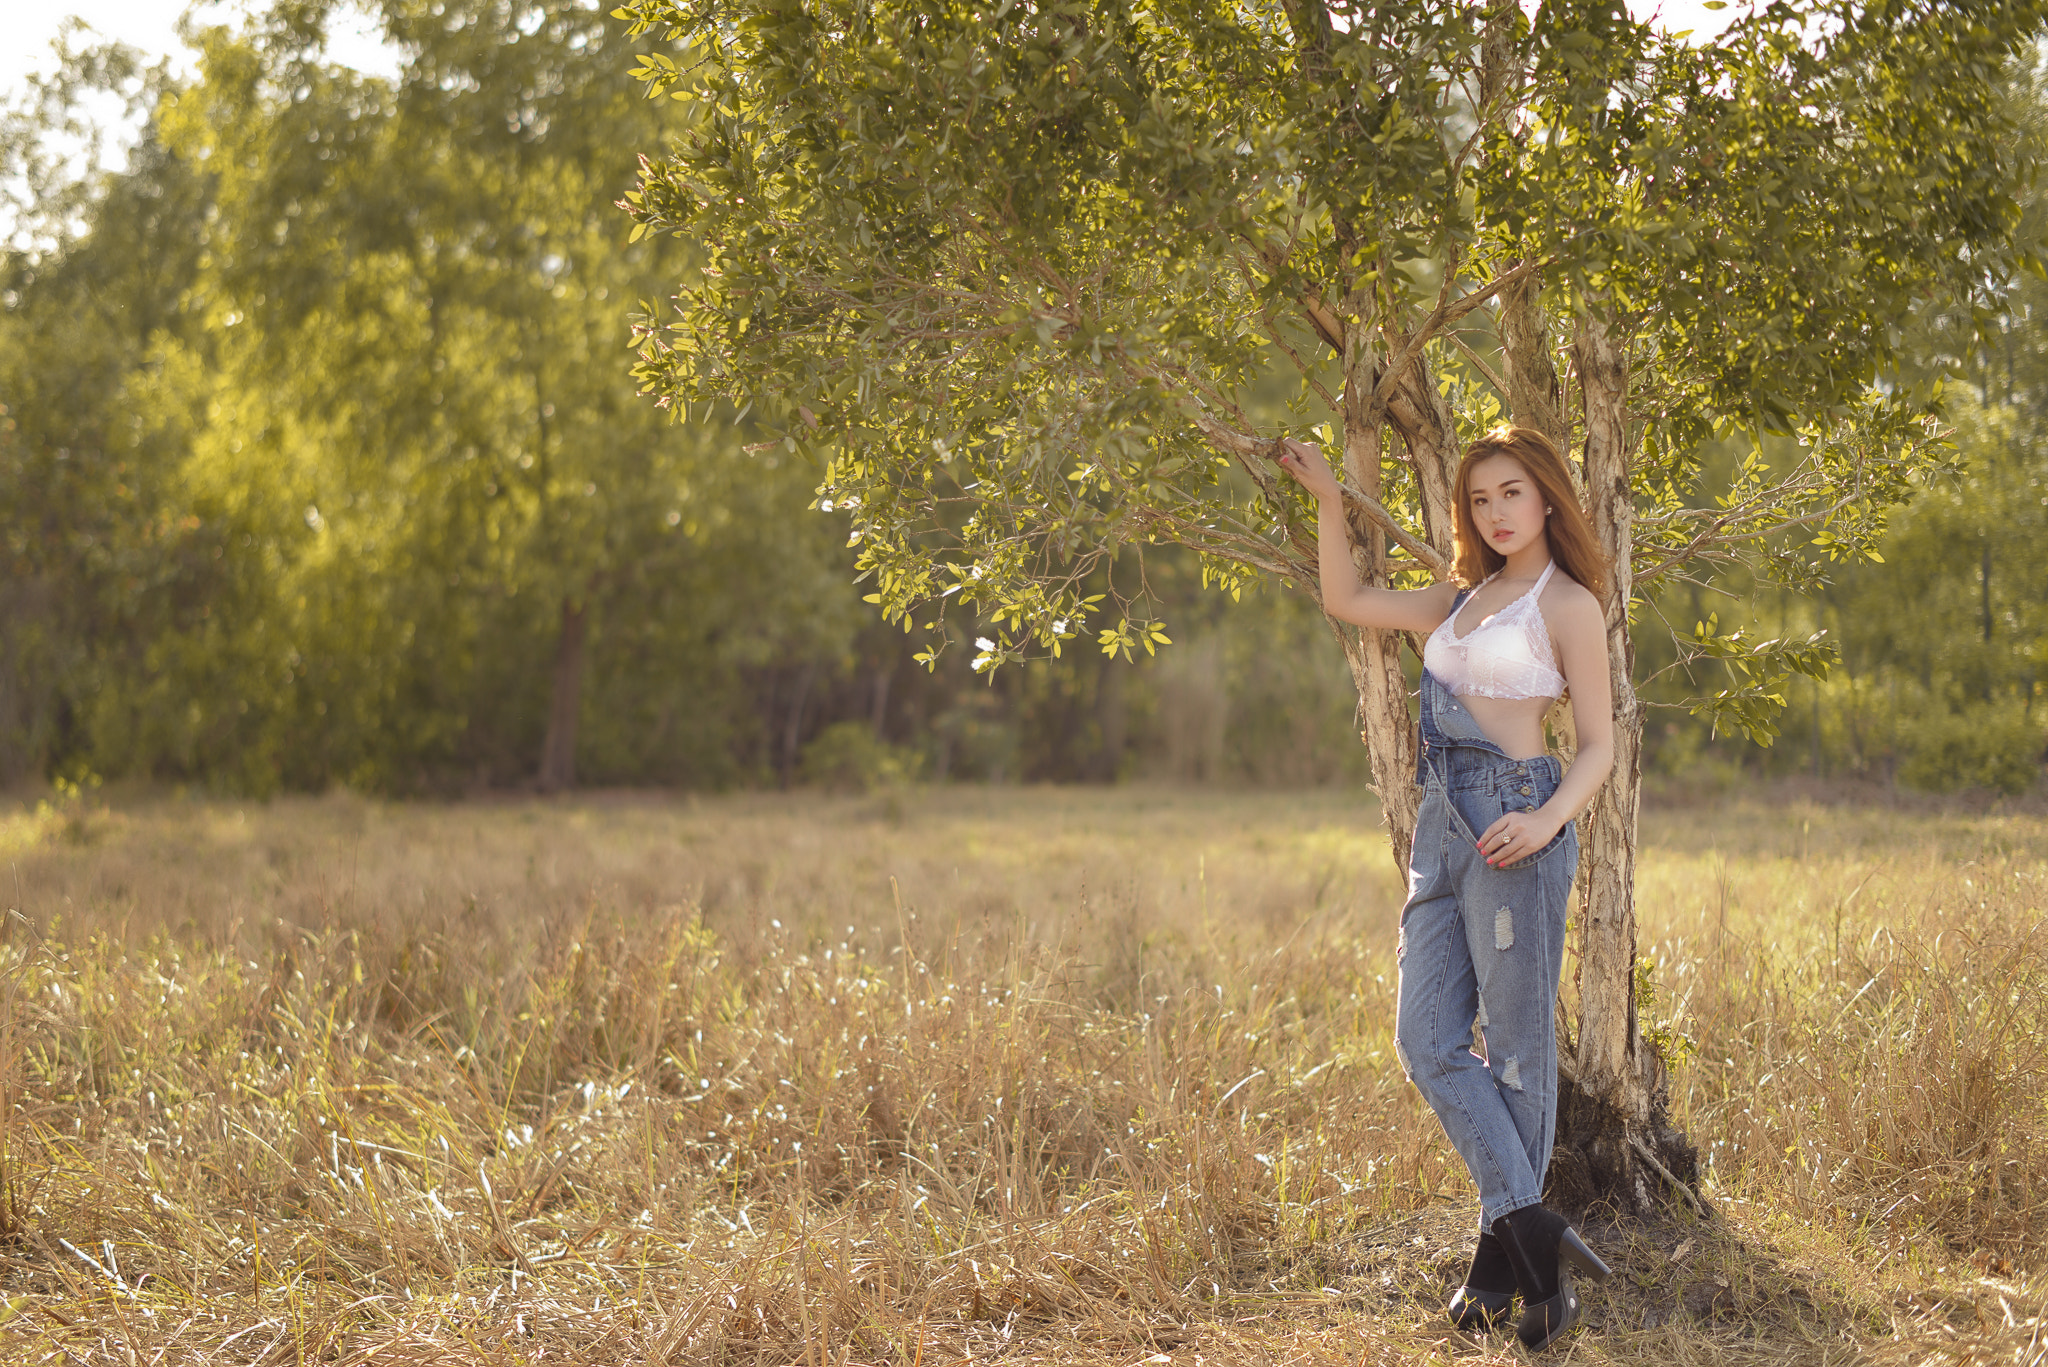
(1022, 274)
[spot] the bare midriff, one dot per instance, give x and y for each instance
(1514, 724)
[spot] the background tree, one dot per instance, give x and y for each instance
(330, 467)
(1016, 274)
(1940, 636)
(1940, 641)
(304, 291)
(97, 266)
(412, 290)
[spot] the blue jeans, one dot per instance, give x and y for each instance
(1483, 946)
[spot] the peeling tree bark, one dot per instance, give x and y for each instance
(1533, 396)
(1608, 1034)
(1429, 432)
(1374, 655)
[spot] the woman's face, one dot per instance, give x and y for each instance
(1507, 507)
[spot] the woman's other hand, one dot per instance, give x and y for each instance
(1516, 836)
(1308, 464)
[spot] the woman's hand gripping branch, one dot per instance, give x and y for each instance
(1343, 596)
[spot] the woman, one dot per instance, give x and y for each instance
(1482, 934)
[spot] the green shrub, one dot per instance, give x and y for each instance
(848, 757)
(1983, 747)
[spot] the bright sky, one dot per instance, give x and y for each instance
(151, 25)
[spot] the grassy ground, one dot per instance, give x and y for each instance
(1063, 1075)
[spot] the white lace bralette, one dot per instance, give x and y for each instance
(1508, 655)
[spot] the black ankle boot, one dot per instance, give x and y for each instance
(1489, 1290)
(1543, 1247)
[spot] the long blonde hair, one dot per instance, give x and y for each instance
(1572, 543)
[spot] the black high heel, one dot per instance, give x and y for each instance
(1488, 1294)
(1477, 1311)
(1542, 1244)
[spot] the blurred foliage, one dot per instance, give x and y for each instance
(321, 463)
(1944, 642)
(1942, 636)
(318, 420)
(322, 433)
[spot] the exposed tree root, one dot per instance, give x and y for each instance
(1602, 1161)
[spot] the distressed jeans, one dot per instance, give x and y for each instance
(1483, 945)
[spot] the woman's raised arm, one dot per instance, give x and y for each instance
(1343, 596)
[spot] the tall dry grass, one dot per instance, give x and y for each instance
(1866, 989)
(1077, 1075)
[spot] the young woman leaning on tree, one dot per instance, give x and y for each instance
(1482, 934)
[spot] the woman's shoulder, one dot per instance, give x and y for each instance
(1566, 603)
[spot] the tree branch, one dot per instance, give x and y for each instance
(1486, 372)
(1326, 323)
(1247, 448)
(1709, 535)
(1273, 332)
(1447, 311)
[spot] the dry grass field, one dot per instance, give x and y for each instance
(1000, 1076)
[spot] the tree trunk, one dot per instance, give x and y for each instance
(1533, 395)
(1429, 431)
(558, 750)
(1374, 655)
(1386, 727)
(1533, 398)
(793, 729)
(1612, 1104)
(1616, 1146)
(878, 714)
(1110, 716)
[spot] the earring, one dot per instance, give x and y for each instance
(1548, 510)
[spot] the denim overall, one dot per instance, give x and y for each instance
(1486, 945)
